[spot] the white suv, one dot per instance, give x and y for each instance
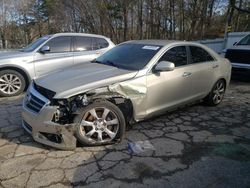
(47, 54)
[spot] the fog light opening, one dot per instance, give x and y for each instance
(57, 138)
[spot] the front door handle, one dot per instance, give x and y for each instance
(186, 74)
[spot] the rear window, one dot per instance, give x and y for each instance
(83, 43)
(199, 55)
(99, 43)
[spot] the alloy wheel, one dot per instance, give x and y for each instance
(218, 92)
(10, 84)
(99, 125)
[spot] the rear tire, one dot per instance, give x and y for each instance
(12, 83)
(216, 94)
(100, 123)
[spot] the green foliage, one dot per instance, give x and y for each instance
(115, 10)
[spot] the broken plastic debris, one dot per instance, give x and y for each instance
(140, 146)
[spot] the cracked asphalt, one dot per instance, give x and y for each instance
(196, 146)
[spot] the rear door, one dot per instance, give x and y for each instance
(88, 48)
(204, 70)
(59, 57)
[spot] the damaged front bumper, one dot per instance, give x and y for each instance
(37, 118)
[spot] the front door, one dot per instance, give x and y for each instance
(170, 88)
(59, 57)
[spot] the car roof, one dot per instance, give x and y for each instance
(160, 42)
(78, 34)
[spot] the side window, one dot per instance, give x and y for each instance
(199, 55)
(245, 41)
(59, 44)
(176, 55)
(82, 43)
(99, 43)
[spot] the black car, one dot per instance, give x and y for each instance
(239, 56)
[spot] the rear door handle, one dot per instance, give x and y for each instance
(186, 74)
(215, 66)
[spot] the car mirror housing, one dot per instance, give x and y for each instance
(164, 66)
(44, 49)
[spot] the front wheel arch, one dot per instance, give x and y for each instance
(123, 103)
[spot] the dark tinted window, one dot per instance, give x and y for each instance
(59, 44)
(99, 43)
(129, 56)
(176, 55)
(199, 55)
(83, 43)
(245, 41)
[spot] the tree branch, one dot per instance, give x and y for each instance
(232, 2)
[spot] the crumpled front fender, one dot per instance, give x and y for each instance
(136, 91)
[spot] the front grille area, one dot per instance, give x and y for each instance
(238, 56)
(33, 103)
(45, 92)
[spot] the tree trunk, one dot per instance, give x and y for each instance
(125, 20)
(3, 41)
(140, 19)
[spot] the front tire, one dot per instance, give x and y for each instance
(12, 83)
(100, 123)
(216, 94)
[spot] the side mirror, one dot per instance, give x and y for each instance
(44, 49)
(164, 66)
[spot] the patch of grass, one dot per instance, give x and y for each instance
(232, 151)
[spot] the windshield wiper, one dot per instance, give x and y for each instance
(96, 61)
(110, 63)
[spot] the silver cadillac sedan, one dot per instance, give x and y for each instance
(92, 103)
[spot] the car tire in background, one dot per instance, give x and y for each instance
(100, 123)
(12, 83)
(216, 95)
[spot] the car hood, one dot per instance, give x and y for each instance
(79, 79)
(12, 54)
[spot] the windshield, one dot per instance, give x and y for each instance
(31, 47)
(245, 41)
(129, 56)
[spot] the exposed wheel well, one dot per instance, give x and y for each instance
(22, 72)
(125, 105)
(224, 80)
